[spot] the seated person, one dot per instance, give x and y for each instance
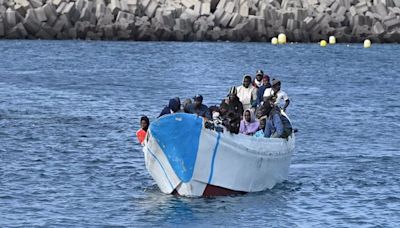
(141, 133)
(249, 125)
(233, 103)
(261, 128)
(231, 121)
(185, 105)
(173, 107)
(277, 126)
(199, 108)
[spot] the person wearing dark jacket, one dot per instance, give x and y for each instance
(233, 103)
(261, 90)
(173, 107)
(199, 108)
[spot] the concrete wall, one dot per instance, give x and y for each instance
(191, 20)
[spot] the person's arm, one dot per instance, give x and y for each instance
(164, 111)
(287, 102)
(285, 97)
(259, 97)
(267, 131)
(278, 125)
(242, 127)
(254, 97)
(207, 114)
(240, 109)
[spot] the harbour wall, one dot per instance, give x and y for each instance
(205, 20)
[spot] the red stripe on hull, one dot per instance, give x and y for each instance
(212, 190)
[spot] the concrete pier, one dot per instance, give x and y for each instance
(202, 20)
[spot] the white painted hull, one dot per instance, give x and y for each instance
(236, 162)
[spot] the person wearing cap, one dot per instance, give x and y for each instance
(199, 108)
(261, 90)
(276, 92)
(247, 93)
(258, 80)
(233, 102)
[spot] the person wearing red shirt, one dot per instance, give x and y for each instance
(141, 133)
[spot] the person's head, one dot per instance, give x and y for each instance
(144, 122)
(223, 108)
(174, 104)
(232, 93)
(269, 103)
(246, 81)
(276, 85)
(198, 100)
(247, 115)
(186, 104)
(265, 79)
(259, 75)
(213, 108)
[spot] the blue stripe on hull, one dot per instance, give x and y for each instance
(213, 157)
(158, 161)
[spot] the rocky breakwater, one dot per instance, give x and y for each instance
(195, 20)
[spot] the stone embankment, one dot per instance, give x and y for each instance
(195, 20)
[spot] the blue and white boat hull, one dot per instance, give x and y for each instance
(187, 159)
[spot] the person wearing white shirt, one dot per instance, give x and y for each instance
(247, 93)
(275, 91)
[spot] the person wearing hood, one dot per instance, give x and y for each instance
(173, 107)
(249, 125)
(261, 90)
(233, 102)
(141, 133)
(247, 93)
(199, 108)
(258, 80)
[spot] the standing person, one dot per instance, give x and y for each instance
(258, 80)
(280, 95)
(249, 125)
(199, 108)
(141, 133)
(247, 93)
(261, 90)
(174, 106)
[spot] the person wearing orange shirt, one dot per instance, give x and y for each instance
(141, 133)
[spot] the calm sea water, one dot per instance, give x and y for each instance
(69, 111)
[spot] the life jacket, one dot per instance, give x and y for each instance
(287, 126)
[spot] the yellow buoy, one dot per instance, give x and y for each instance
(274, 41)
(367, 43)
(323, 43)
(282, 38)
(332, 40)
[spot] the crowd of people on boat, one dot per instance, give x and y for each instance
(255, 108)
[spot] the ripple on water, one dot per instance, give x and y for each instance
(68, 156)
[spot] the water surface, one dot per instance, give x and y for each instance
(69, 111)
